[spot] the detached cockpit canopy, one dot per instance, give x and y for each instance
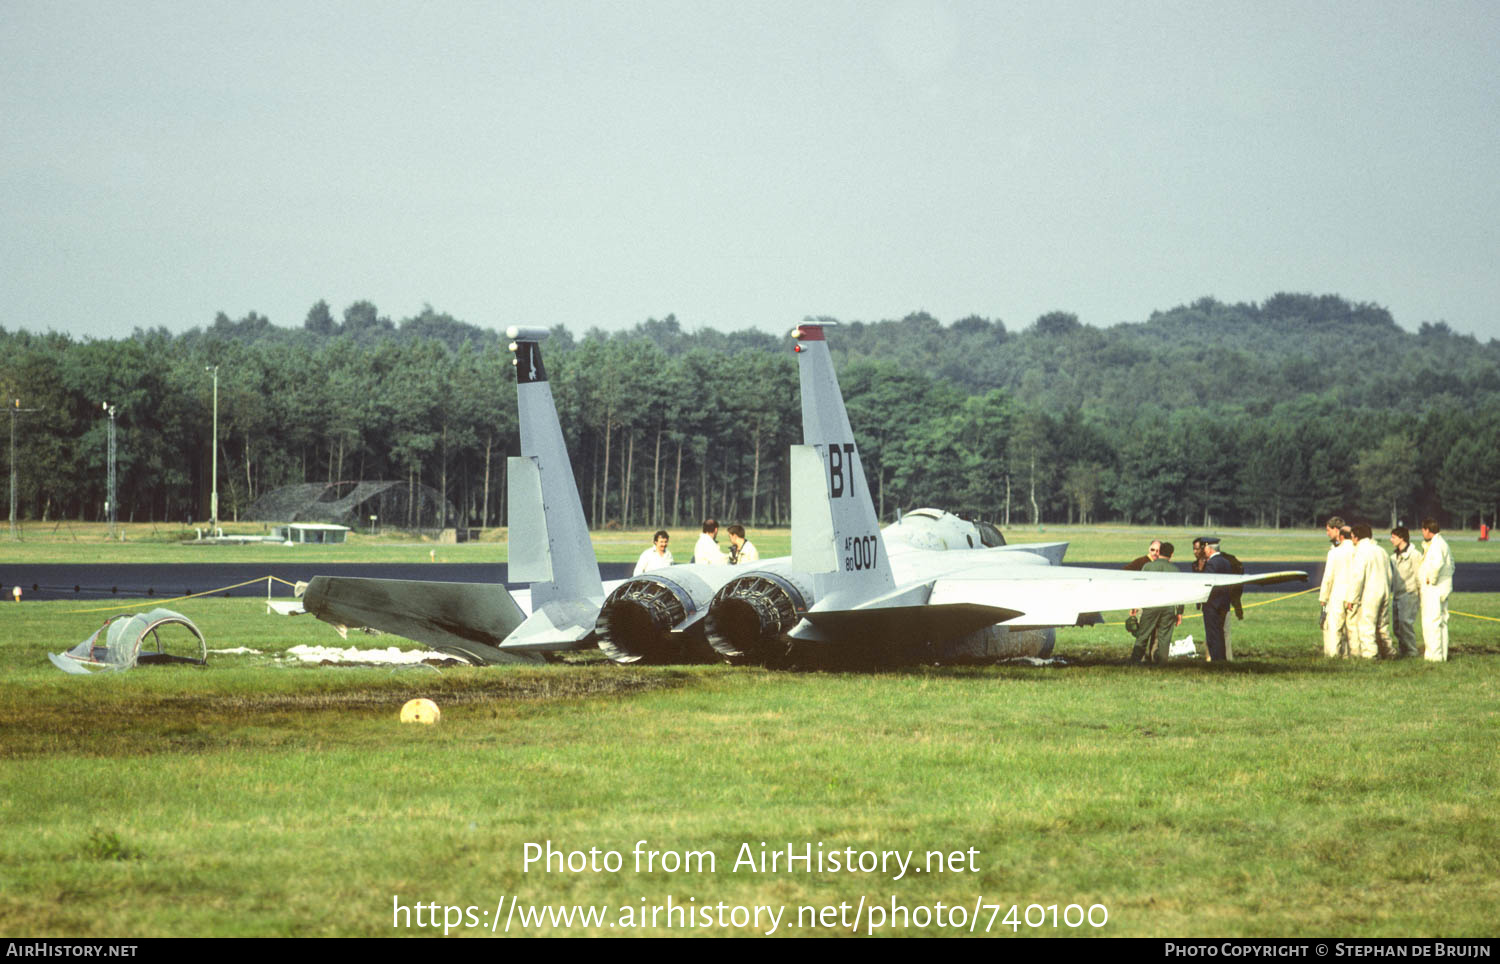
(158, 636)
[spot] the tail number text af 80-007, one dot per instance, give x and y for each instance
(860, 552)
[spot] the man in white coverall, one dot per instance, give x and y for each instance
(1370, 597)
(1436, 576)
(1334, 592)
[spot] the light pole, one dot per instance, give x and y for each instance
(213, 500)
(109, 503)
(15, 409)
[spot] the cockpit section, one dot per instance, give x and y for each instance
(935, 529)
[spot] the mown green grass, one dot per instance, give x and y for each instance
(1281, 794)
(71, 542)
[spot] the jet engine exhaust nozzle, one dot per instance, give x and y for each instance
(749, 617)
(635, 623)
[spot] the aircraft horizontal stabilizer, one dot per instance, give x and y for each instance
(462, 618)
(906, 613)
(912, 622)
(563, 624)
(1065, 597)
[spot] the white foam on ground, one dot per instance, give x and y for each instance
(238, 650)
(332, 654)
(1183, 647)
(1038, 661)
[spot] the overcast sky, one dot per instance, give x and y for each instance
(743, 164)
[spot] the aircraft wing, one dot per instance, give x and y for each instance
(1054, 596)
(465, 619)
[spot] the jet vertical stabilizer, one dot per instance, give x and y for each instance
(839, 539)
(549, 539)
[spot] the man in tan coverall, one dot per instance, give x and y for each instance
(1436, 575)
(1369, 597)
(1334, 592)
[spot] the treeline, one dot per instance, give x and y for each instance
(1271, 414)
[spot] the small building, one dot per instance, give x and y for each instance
(319, 533)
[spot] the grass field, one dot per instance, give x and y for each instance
(1282, 794)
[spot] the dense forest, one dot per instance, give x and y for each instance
(1271, 414)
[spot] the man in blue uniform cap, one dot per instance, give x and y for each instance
(1219, 601)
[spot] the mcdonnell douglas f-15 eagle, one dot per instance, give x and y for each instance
(849, 587)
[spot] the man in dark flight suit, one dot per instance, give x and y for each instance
(1219, 600)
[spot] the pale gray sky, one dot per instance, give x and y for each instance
(742, 164)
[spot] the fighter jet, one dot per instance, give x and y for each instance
(930, 586)
(851, 587)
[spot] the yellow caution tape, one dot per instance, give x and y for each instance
(1199, 615)
(1280, 598)
(210, 592)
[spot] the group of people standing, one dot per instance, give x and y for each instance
(706, 552)
(1364, 590)
(1153, 626)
